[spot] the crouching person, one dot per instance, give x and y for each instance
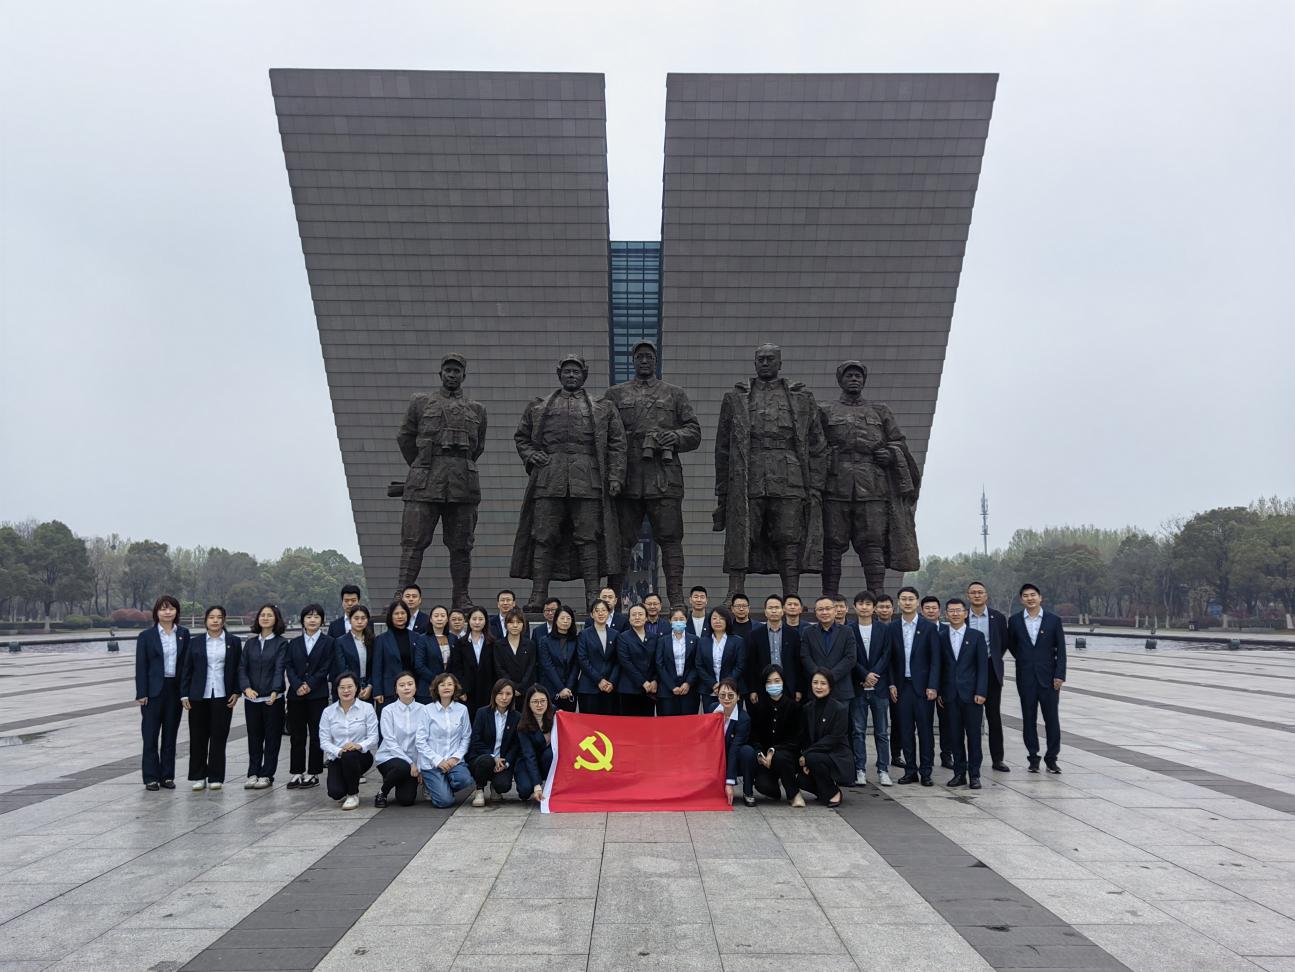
(441, 740)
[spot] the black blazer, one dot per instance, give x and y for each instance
(1043, 660)
(261, 667)
(775, 725)
(419, 622)
(483, 735)
(315, 670)
(346, 658)
(496, 627)
(730, 666)
(657, 628)
(595, 662)
(387, 664)
(925, 661)
(968, 675)
(558, 667)
(737, 733)
(667, 679)
(876, 659)
(519, 668)
(705, 622)
(635, 657)
(337, 628)
(618, 621)
(193, 679)
(476, 677)
(759, 658)
(825, 728)
(150, 664)
(997, 640)
(428, 663)
(834, 650)
(530, 748)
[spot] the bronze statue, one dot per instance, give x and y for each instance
(442, 437)
(872, 484)
(770, 461)
(659, 424)
(574, 451)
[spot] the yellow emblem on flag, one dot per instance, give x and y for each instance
(602, 758)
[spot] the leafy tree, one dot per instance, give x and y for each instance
(16, 579)
(1206, 549)
(59, 566)
(148, 572)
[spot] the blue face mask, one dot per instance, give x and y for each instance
(678, 627)
(774, 689)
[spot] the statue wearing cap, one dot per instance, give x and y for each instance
(659, 425)
(441, 437)
(870, 497)
(770, 460)
(574, 451)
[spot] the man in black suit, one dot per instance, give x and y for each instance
(698, 616)
(871, 690)
(774, 643)
(657, 623)
(828, 645)
(412, 596)
(993, 625)
(618, 621)
(545, 627)
(915, 684)
(1036, 639)
(505, 600)
(930, 608)
(342, 624)
(885, 613)
(964, 660)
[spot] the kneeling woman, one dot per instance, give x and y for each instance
(535, 741)
(739, 756)
(492, 754)
(442, 741)
(397, 756)
(825, 755)
(775, 734)
(348, 735)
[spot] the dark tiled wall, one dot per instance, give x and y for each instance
(446, 211)
(828, 214)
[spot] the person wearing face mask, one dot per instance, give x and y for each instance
(676, 667)
(397, 757)
(775, 643)
(775, 736)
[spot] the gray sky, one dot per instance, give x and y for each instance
(1122, 346)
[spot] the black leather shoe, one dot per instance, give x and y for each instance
(748, 800)
(946, 762)
(153, 787)
(975, 783)
(1053, 767)
(899, 763)
(1034, 764)
(927, 782)
(1002, 768)
(907, 778)
(293, 784)
(959, 779)
(379, 800)
(170, 784)
(309, 781)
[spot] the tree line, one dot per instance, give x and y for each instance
(1236, 561)
(48, 574)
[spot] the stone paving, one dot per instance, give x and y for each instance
(1167, 844)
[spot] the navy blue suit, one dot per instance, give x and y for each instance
(634, 658)
(916, 711)
(337, 628)
(387, 664)
(304, 711)
(261, 668)
(739, 754)
(428, 663)
(731, 666)
(669, 679)
(209, 718)
(535, 757)
(346, 658)
(596, 664)
(618, 621)
(481, 749)
(559, 668)
(1037, 664)
(965, 679)
(871, 703)
(993, 701)
(759, 658)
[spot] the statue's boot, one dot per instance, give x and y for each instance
(789, 571)
(542, 561)
(831, 574)
(411, 564)
(460, 578)
(588, 554)
(736, 585)
(672, 566)
(873, 562)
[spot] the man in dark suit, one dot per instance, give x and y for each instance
(618, 621)
(871, 690)
(774, 643)
(412, 596)
(505, 600)
(993, 625)
(885, 613)
(341, 624)
(657, 623)
(930, 607)
(698, 616)
(915, 684)
(1036, 639)
(828, 645)
(545, 627)
(964, 661)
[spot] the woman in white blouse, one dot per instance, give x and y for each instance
(348, 735)
(397, 757)
(438, 630)
(441, 741)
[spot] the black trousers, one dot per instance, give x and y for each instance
(745, 768)
(916, 712)
(395, 776)
(636, 704)
(303, 721)
(344, 773)
(209, 721)
(994, 718)
(670, 704)
(896, 739)
(483, 772)
(1034, 697)
(159, 724)
(782, 773)
(946, 733)
(964, 726)
(820, 780)
(264, 737)
(598, 703)
(565, 705)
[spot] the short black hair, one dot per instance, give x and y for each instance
(698, 589)
(740, 597)
(956, 600)
(885, 599)
(838, 599)
(827, 674)
(788, 597)
(727, 615)
(865, 597)
(822, 597)
(351, 589)
(930, 599)
(597, 602)
(280, 626)
(975, 582)
(571, 632)
(391, 610)
(343, 676)
(773, 597)
(312, 608)
(552, 600)
(909, 590)
(411, 587)
(503, 592)
(650, 594)
(215, 607)
(1027, 586)
(168, 600)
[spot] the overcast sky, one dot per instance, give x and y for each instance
(1122, 346)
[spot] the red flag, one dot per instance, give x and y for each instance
(636, 763)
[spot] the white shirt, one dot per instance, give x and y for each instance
(602, 635)
(336, 728)
(718, 654)
(501, 721)
(865, 633)
(215, 667)
(170, 650)
(443, 733)
(909, 629)
(1033, 624)
(445, 652)
(310, 641)
(362, 653)
(346, 622)
(698, 625)
(955, 639)
(478, 642)
(399, 727)
(680, 646)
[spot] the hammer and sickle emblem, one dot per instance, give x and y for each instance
(602, 758)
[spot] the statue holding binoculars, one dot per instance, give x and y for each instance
(659, 425)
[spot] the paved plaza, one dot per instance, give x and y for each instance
(1167, 844)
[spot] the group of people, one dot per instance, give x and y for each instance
(445, 700)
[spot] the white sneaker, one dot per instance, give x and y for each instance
(251, 782)
(883, 779)
(215, 786)
(198, 786)
(861, 777)
(495, 795)
(479, 798)
(798, 802)
(350, 803)
(263, 783)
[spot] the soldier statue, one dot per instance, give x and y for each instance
(574, 451)
(872, 484)
(770, 460)
(442, 437)
(659, 425)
